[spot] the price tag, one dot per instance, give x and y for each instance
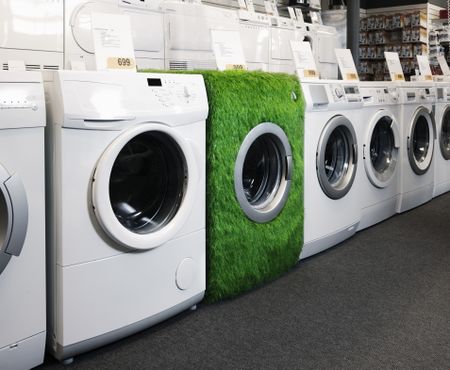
(424, 67)
(291, 13)
(305, 63)
(236, 67)
(394, 66)
(346, 64)
(444, 65)
(228, 50)
(120, 63)
(113, 42)
(250, 6)
(242, 4)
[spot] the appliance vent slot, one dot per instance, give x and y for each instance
(178, 65)
(5, 67)
(51, 68)
(32, 67)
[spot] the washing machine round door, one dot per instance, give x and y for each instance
(444, 137)
(381, 149)
(420, 142)
(144, 186)
(336, 157)
(13, 216)
(262, 172)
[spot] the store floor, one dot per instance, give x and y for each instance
(379, 300)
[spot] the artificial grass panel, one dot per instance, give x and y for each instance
(242, 254)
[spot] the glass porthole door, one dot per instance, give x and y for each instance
(381, 149)
(337, 157)
(13, 216)
(444, 138)
(420, 142)
(263, 170)
(143, 186)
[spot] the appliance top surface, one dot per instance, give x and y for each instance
(20, 77)
(97, 97)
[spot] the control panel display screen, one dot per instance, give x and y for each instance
(350, 90)
(154, 82)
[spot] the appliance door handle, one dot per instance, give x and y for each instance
(17, 214)
(355, 153)
(289, 167)
(408, 142)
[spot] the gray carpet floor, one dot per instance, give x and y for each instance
(379, 300)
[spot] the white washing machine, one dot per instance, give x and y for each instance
(147, 29)
(255, 29)
(282, 31)
(188, 33)
(324, 40)
(22, 220)
(32, 32)
(442, 147)
(332, 187)
(418, 133)
(379, 151)
(126, 202)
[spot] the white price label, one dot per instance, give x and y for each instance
(394, 66)
(113, 42)
(346, 64)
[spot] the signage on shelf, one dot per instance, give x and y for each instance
(113, 42)
(346, 65)
(394, 66)
(444, 65)
(227, 47)
(424, 67)
(305, 63)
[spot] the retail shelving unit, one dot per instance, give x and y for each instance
(399, 29)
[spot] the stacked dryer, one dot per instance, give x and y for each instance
(418, 133)
(255, 30)
(146, 21)
(32, 32)
(380, 141)
(282, 31)
(442, 147)
(187, 27)
(331, 156)
(324, 40)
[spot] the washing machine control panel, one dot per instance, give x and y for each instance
(379, 95)
(171, 92)
(345, 93)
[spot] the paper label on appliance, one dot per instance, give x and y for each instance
(16, 65)
(394, 66)
(228, 50)
(271, 8)
(346, 64)
(242, 4)
(305, 63)
(444, 65)
(291, 13)
(250, 6)
(299, 15)
(424, 67)
(113, 42)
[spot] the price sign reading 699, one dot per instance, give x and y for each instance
(121, 63)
